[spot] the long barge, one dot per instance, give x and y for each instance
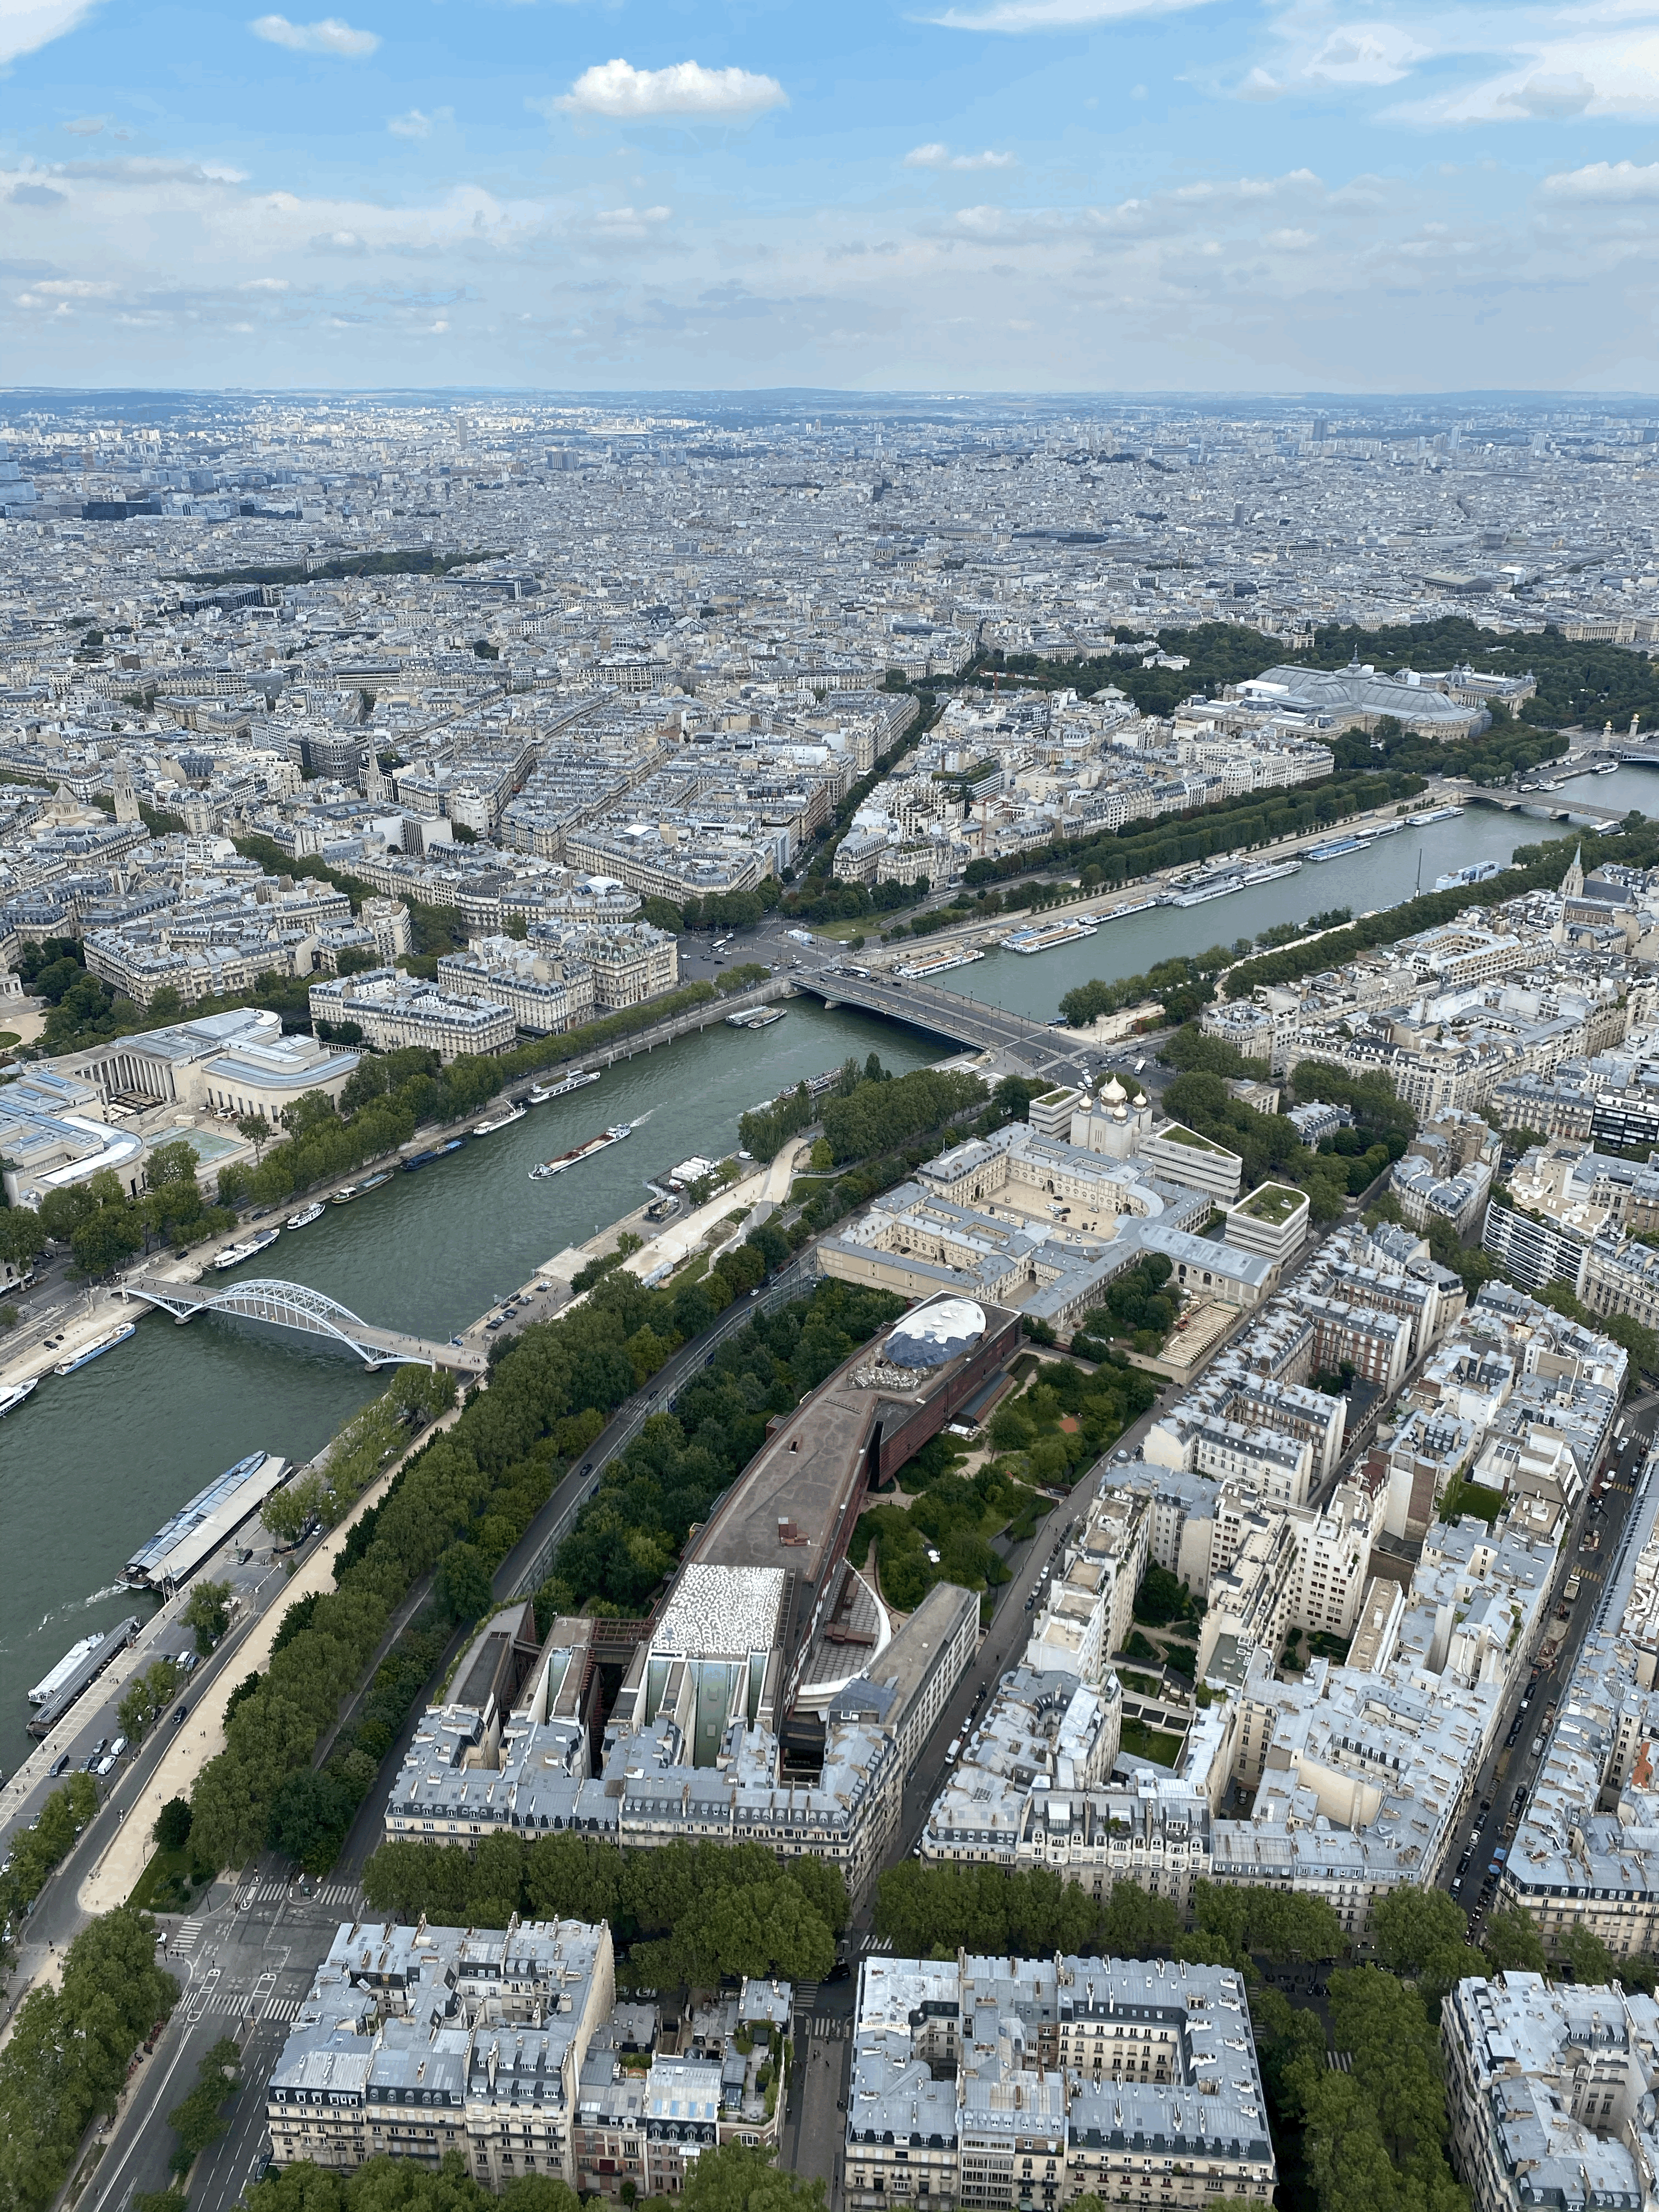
(1041, 939)
(417, 1161)
(96, 1349)
(577, 1079)
(189, 1537)
(939, 963)
(605, 1139)
(75, 1673)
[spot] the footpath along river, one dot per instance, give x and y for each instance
(95, 1461)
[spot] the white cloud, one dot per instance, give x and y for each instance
(1365, 53)
(1607, 180)
(940, 157)
(617, 88)
(85, 126)
(329, 36)
(1599, 71)
(1054, 15)
(26, 25)
(415, 124)
(627, 218)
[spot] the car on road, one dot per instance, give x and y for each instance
(58, 1766)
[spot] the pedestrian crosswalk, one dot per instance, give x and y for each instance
(188, 1932)
(806, 1995)
(879, 1943)
(332, 1897)
(236, 2004)
(826, 2030)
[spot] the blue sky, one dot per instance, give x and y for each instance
(975, 194)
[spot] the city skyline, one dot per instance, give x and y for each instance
(1027, 195)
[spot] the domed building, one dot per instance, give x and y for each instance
(1112, 1121)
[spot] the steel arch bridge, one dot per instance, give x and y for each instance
(294, 1306)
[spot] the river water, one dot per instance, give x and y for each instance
(94, 1462)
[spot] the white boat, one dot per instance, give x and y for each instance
(11, 1399)
(49, 1685)
(1201, 894)
(306, 1215)
(1119, 913)
(96, 1349)
(755, 1017)
(1373, 830)
(939, 963)
(1478, 871)
(1433, 814)
(498, 1121)
(578, 1078)
(1043, 938)
(1269, 871)
(249, 1248)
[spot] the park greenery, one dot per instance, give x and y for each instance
(732, 2178)
(1063, 1419)
(1106, 860)
(1532, 867)
(67, 2056)
(1181, 985)
(942, 1534)
(1271, 1146)
(628, 1537)
(408, 561)
(1140, 1306)
(200, 2119)
(929, 1911)
(1579, 682)
(38, 1850)
(468, 1492)
(687, 1912)
(151, 1692)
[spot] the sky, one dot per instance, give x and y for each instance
(1267, 196)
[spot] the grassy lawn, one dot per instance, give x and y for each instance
(1140, 1742)
(170, 1882)
(1472, 1497)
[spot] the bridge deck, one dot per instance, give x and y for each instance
(263, 1302)
(948, 1014)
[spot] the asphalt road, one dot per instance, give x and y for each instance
(243, 1966)
(1504, 1779)
(56, 1916)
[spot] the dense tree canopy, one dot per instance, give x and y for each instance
(68, 2050)
(691, 1912)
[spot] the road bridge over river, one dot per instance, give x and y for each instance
(1044, 1051)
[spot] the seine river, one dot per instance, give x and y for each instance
(94, 1462)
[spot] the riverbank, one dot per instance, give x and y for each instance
(92, 1464)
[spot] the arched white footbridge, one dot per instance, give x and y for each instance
(305, 1312)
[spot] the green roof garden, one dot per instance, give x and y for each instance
(1178, 1133)
(1272, 1202)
